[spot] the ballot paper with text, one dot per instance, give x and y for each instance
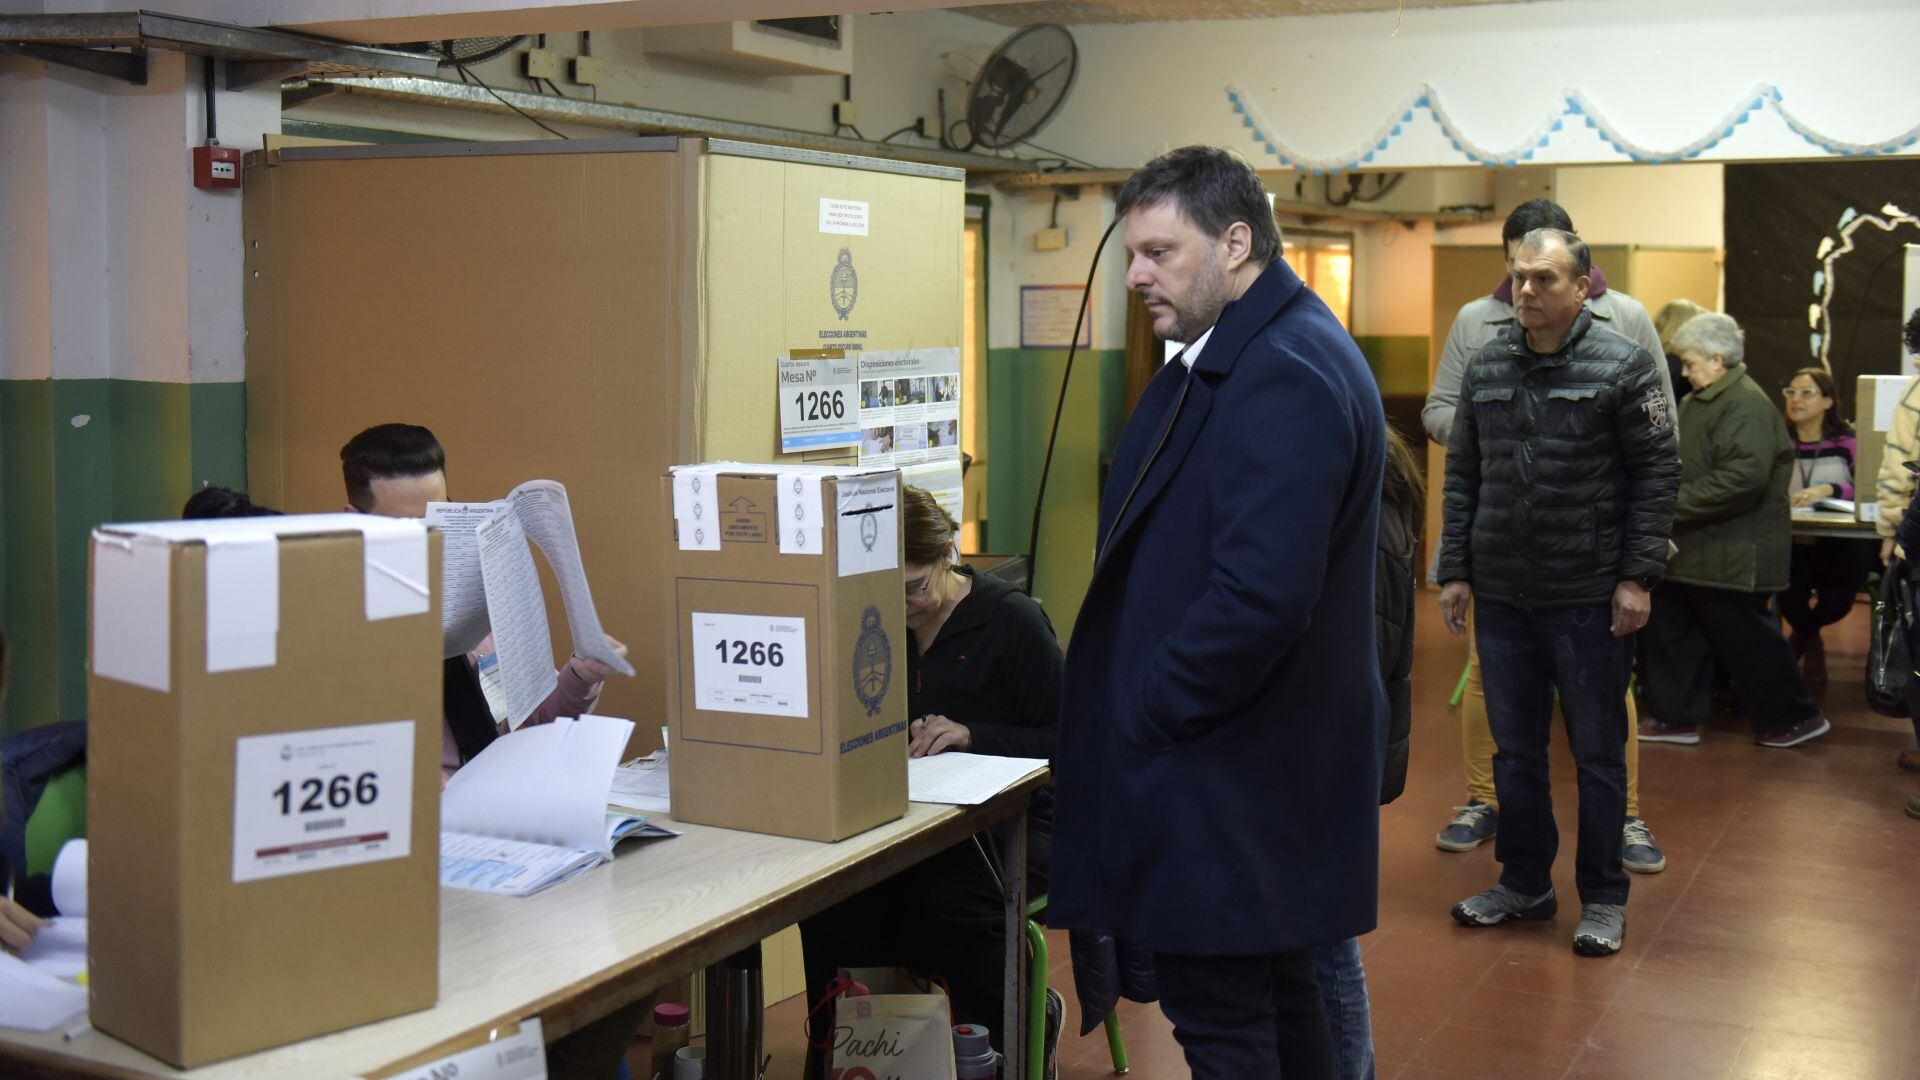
(490, 586)
(530, 811)
(958, 779)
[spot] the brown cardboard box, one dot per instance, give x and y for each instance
(263, 795)
(789, 710)
(1874, 401)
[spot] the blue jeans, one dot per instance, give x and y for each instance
(1524, 657)
(1343, 989)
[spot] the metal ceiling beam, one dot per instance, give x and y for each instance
(637, 119)
(128, 67)
(90, 41)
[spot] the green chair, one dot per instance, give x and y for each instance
(1037, 1004)
(59, 816)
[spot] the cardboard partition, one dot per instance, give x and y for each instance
(789, 709)
(263, 796)
(1875, 399)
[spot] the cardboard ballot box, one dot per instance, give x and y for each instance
(1875, 399)
(263, 796)
(787, 627)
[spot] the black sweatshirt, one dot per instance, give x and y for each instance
(995, 668)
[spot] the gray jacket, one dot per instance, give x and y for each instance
(1483, 320)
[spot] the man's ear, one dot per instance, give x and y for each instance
(1239, 243)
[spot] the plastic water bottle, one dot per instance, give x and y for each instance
(973, 1057)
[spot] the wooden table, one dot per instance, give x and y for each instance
(1832, 523)
(660, 911)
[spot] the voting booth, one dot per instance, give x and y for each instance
(593, 312)
(788, 634)
(263, 798)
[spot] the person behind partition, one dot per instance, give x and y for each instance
(983, 677)
(1826, 571)
(395, 470)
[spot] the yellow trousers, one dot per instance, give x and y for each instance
(1476, 738)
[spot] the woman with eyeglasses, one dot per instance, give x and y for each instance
(1826, 572)
(983, 677)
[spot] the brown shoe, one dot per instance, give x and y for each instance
(1813, 659)
(1909, 761)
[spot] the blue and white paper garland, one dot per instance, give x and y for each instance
(1575, 103)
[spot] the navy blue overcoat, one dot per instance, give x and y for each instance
(1218, 771)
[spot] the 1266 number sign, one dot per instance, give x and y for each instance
(315, 800)
(750, 663)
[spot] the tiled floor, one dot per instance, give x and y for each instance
(1783, 940)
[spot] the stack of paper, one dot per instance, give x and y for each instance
(35, 991)
(965, 779)
(641, 785)
(531, 810)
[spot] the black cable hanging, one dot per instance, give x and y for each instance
(1059, 406)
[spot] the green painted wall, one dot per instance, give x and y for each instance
(143, 448)
(1022, 388)
(1399, 363)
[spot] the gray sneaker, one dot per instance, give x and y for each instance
(1500, 903)
(1602, 926)
(1472, 825)
(1638, 852)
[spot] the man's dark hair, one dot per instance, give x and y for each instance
(1911, 336)
(1534, 214)
(1576, 248)
(223, 502)
(388, 452)
(1213, 188)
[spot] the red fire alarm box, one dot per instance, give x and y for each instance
(216, 166)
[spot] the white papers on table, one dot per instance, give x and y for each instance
(964, 779)
(641, 784)
(59, 948)
(530, 811)
(519, 616)
(1844, 506)
(35, 1000)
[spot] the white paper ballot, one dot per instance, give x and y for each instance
(519, 616)
(548, 520)
(34, 1000)
(964, 779)
(531, 810)
(642, 784)
(463, 597)
(70, 879)
(59, 948)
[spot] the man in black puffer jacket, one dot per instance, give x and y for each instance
(1561, 476)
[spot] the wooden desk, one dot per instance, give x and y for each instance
(1832, 523)
(660, 911)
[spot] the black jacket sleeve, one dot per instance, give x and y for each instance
(1462, 489)
(1031, 670)
(1651, 457)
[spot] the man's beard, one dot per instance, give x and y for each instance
(1202, 307)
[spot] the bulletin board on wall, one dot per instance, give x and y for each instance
(1812, 276)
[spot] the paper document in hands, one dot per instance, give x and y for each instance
(531, 810)
(964, 779)
(482, 585)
